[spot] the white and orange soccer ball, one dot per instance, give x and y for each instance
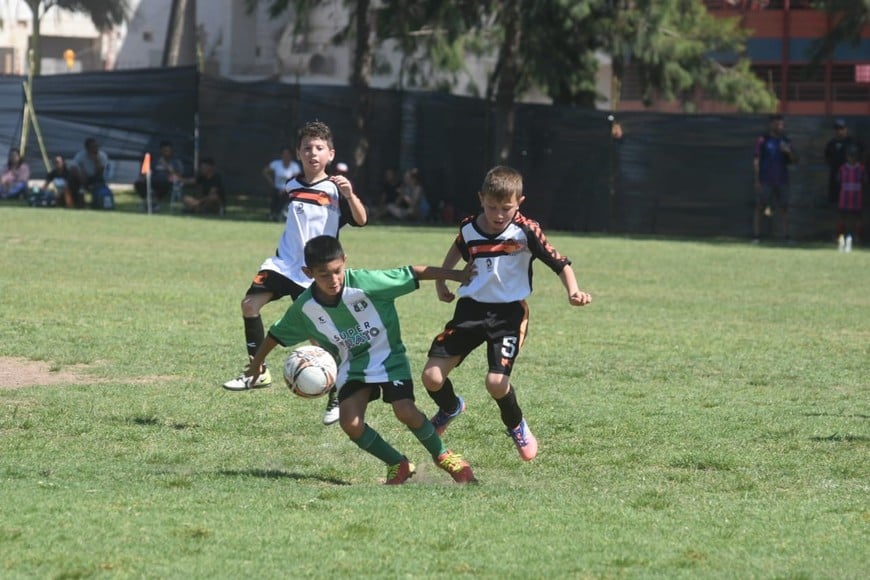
(310, 371)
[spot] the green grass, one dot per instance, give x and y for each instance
(706, 416)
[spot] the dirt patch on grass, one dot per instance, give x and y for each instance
(17, 373)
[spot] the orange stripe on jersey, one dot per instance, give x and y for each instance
(535, 228)
(317, 197)
(502, 247)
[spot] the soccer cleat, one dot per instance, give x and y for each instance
(331, 415)
(243, 383)
(458, 468)
(527, 445)
(400, 473)
(441, 419)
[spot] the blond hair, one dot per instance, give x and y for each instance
(502, 183)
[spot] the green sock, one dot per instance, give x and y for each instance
(429, 438)
(372, 442)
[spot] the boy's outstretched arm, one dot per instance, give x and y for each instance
(450, 259)
(575, 296)
(441, 274)
(253, 369)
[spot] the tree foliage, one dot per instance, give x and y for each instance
(679, 50)
(849, 17)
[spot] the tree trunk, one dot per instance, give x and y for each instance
(35, 39)
(505, 94)
(360, 81)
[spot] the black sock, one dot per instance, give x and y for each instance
(254, 334)
(445, 398)
(511, 414)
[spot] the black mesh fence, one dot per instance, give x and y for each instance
(674, 175)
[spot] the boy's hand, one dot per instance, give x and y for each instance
(468, 273)
(444, 293)
(579, 298)
(343, 184)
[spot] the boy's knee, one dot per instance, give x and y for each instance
(407, 413)
(250, 307)
(352, 426)
(433, 378)
(498, 385)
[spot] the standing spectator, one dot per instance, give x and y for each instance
(13, 182)
(212, 198)
(773, 154)
(64, 184)
(852, 179)
(835, 156)
(91, 168)
(166, 171)
(278, 172)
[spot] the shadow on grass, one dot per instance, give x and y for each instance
(280, 474)
(838, 438)
(845, 416)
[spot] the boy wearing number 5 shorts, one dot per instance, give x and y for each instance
(492, 309)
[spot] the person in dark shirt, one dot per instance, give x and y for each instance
(773, 154)
(212, 198)
(64, 183)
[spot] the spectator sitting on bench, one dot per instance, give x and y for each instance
(211, 186)
(166, 170)
(61, 181)
(91, 167)
(13, 182)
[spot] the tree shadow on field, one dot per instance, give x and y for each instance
(281, 474)
(848, 416)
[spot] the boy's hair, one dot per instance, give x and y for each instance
(321, 250)
(315, 130)
(502, 183)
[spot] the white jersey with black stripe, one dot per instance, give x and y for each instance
(504, 260)
(314, 210)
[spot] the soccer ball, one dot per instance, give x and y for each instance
(310, 371)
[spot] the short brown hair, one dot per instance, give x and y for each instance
(315, 130)
(502, 183)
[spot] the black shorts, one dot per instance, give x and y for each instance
(392, 390)
(276, 283)
(501, 325)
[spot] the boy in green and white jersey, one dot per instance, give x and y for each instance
(352, 314)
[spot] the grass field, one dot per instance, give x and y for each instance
(707, 416)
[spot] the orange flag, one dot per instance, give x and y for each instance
(146, 164)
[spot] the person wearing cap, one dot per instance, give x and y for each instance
(835, 156)
(773, 154)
